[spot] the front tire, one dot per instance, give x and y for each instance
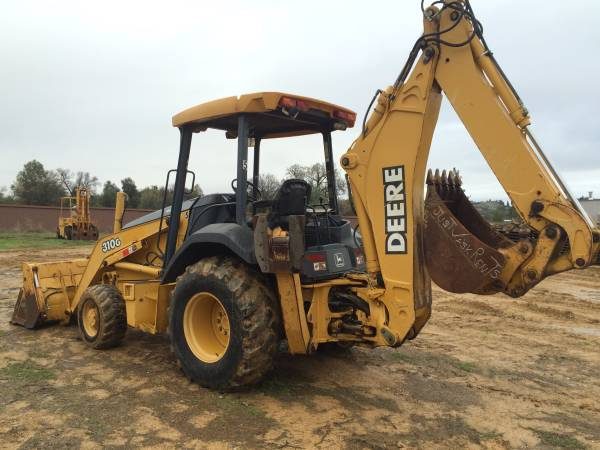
(101, 316)
(224, 323)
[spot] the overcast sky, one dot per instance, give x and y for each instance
(92, 86)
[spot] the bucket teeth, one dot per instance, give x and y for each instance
(451, 182)
(449, 178)
(447, 183)
(446, 177)
(455, 178)
(429, 179)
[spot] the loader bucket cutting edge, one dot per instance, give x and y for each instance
(26, 312)
(46, 292)
(461, 248)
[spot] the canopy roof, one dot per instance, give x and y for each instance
(271, 114)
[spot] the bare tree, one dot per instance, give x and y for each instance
(268, 185)
(316, 176)
(66, 178)
(87, 180)
(71, 180)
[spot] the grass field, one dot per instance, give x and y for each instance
(15, 240)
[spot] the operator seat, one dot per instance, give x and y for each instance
(290, 200)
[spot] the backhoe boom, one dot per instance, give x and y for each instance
(386, 167)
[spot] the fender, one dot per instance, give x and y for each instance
(209, 240)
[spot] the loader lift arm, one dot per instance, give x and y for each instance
(386, 167)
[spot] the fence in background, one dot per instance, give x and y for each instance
(45, 218)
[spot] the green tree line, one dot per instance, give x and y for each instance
(36, 185)
(496, 211)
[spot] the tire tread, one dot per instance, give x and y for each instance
(113, 315)
(260, 320)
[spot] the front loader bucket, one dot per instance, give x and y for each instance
(26, 311)
(46, 292)
(461, 248)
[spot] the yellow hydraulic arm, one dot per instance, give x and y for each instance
(386, 167)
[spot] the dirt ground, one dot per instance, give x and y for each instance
(488, 372)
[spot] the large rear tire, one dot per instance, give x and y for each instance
(101, 316)
(224, 323)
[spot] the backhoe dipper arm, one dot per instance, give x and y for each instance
(386, 167)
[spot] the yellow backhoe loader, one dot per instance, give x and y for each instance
(231, 276)
(75, 222)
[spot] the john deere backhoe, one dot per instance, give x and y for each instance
(231, 276)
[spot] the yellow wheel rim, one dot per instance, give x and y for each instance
(206, 327)
(91, 319)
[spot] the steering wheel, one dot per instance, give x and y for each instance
(251, 189)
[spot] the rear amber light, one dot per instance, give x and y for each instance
(301, 105)
(348, 117)
(288, 102)
(293, 105)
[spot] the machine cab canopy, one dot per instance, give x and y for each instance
(251, 118)
(270, 115)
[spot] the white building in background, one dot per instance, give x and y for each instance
(591, 206)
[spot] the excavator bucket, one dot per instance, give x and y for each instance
(46, 292)
(461, 248)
